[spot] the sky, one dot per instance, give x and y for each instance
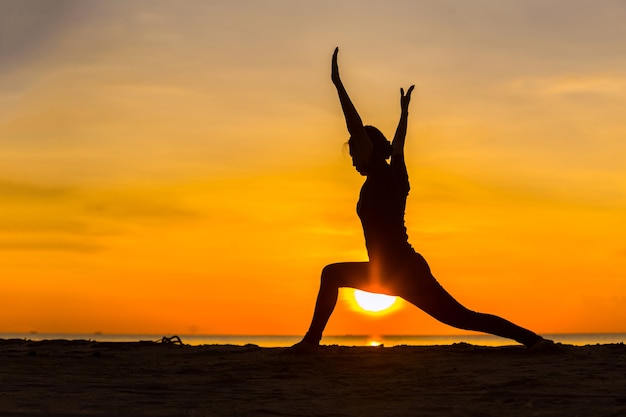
(180, 167)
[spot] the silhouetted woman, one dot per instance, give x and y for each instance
(394, 267)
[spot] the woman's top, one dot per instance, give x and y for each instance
(381, 209)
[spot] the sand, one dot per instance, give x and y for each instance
(83, 378)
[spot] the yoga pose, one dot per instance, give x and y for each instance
(394, 267)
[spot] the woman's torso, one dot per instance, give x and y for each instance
(381, 206)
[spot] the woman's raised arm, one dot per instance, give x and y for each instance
(360, 141)
(398, 138)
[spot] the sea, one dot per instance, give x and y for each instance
(580, 339)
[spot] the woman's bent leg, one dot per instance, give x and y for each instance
(334, 276)
(426, 293)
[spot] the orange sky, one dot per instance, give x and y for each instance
(178, 167)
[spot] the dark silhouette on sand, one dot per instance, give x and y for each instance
(394, 267)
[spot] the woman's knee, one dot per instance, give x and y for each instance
(344, 274)
(330, 275)
(330, 270)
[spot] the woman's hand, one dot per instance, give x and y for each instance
(334, 71)
(405, 99)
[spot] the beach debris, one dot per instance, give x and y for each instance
(173, 340)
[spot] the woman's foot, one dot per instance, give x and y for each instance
(544, 345)
(303, 347)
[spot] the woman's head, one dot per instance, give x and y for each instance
(381, 148)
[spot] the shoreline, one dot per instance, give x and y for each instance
(85, 378)
(481, 339)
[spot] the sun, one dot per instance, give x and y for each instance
(373, 302)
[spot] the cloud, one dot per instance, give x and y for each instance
(38, 217)
(28, 29)
(55, 245)
(569, 85)
(137, 205)
(24, 191)
(120, 202)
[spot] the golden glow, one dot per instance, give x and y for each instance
(372, 302)
(181, 169)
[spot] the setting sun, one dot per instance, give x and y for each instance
(373, 302)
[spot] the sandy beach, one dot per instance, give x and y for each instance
(84, 378)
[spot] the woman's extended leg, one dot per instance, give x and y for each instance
(422, 289)
(334, 276)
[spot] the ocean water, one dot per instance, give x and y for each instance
(348, 340)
